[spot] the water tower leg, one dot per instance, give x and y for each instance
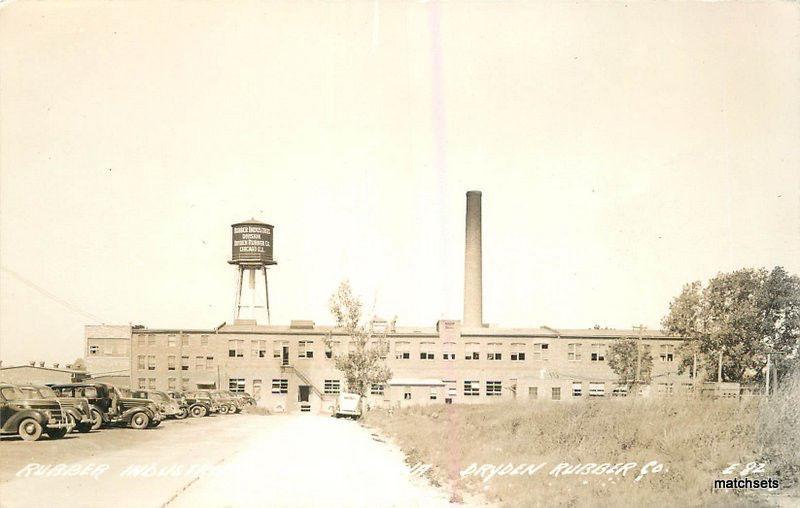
(237, 308)
(266, 295)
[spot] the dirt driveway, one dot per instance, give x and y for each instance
(238, 460)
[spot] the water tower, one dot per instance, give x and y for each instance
(252, 253)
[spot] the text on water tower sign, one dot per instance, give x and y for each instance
(252, 243)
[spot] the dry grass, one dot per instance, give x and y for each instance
(779, 430)
(696, 439)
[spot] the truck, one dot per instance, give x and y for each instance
(348, 405)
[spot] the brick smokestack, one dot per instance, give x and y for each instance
(473, 265)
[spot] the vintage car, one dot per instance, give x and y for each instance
(168, 406)
(112, 407)
(227, 404)
(29, 418)
(179, 399)
(238, 402)
(77, 409)
(200, 403)
(347, 405)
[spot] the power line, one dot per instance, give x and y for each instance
(51, 296)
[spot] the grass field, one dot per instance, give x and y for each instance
(695, 440)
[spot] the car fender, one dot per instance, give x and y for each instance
(12, 424)
(128, 413)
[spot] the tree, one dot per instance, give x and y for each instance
(743, 315)
(623, 356)
(362, 364)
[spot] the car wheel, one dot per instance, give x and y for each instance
(223, 409)
(30, 430)
(155, 424)
(140, 421)
(97, 419)
(57, 433)
(198, 411)
(83, 428)
(182, 414)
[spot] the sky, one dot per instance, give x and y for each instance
(623, 150)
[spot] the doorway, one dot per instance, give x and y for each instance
(303, 393)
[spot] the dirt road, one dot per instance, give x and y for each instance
(237, 460)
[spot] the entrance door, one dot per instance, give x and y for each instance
(303, 394)
(285, 357)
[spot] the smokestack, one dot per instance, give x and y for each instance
(473, 268)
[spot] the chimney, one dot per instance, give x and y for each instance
(473, 268)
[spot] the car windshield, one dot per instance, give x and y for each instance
(30, 393)
(11, 393)
(47, 392)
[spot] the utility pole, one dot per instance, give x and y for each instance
(766, 378)
(637, 380)
(719, 368)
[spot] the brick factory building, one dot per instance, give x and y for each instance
(290, 368)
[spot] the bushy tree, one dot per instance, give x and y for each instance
(362, 364)
(744, 315)
(623, 356)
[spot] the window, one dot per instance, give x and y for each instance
(598, 353)
(619, 391)
(472, 388)
(449, 351)
(209, 363)
(377, 390)
(151, 362)
(533, 392)
(172, 383)
(494, 388)
(204, 340)
(426, 351)
(184, 340)
(171, 342)
(667, 353)
(140, 340)
(306, 349)
(235, 348)
(407, 395)
(472, 351)
(151, 340)
(574, 352)
(517, 352)
(236, 384)
(402, 350)
(331, 348)
(555, 393)
(258, 348)
(184, 383)
(257, 389)
(199, 362)
(597, 389)
(331, 386)
(142, 383)
(185, 362)
(541, 352)
(494, 351)
(171, 362)
(140, 362)
(665, 388)
(577, 389)
(280, 386)
(433, 394)
(93, 350)
(151, 383)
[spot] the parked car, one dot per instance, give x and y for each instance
(200, 403)
(77, 409)
(224, 401)
(113, 408)
(249, 400)
(168, 406)
(347, 404)
(29, 418)
(238, 402)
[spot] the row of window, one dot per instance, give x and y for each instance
(148, 362)
(172, 340)
(472, 350)
(172, 383)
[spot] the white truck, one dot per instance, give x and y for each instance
(348, 405)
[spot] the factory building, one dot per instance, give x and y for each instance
(289, 368)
